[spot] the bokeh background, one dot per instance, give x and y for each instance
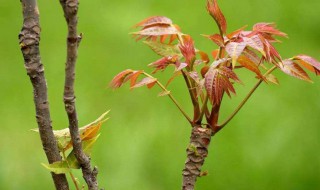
(273, 143)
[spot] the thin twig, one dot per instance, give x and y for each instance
(29, 38)
(204, 108)
(192, 93)
(70, 8)
(219, 127)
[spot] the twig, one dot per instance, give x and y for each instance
(172, 98)
(192, 93)
(70, 8)
(29, 38)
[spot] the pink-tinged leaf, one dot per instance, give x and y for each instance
(216, 38)
(271, 54)
(256, 43)
(162, 64)
(157, 31)
(218, 62)
(268, 28)
(216, 13)
(236, 32)
(291, 68)
(271, 78)
(164, 50)
(235, 49)
(147, 81)
(155, 20)
(187, 50)
(309, 63)
(180, 66)
(194, 75)
(247, 63)
(119, 79)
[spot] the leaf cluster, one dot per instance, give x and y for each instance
(88, 134)
(208, 80)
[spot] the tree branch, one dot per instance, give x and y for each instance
(29, 39)
(70, 8)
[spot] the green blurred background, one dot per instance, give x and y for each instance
(273, 143)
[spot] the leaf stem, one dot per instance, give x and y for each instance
(244, 100)
(71, 174)
(171, 97)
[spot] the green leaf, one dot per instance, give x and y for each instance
(164, 50)
(65, 166)
(60, 167)
(87, 132)
(86, 147)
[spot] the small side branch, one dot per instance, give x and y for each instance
(70, 8)
(243, 102)
(29, 39)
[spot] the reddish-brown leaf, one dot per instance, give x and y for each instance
(252, 56)
(215, 54)
(291, 68)
(216, 38)
(119, 79)
(216, 13)
(147, 81)
(217, 81)
(309, 63)
(249, 64)
(204, 70)
(134, 77)
(229, 74)
(151, 84)
(204, 56)
(235, 49)
(155, 20)
(210, 83)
